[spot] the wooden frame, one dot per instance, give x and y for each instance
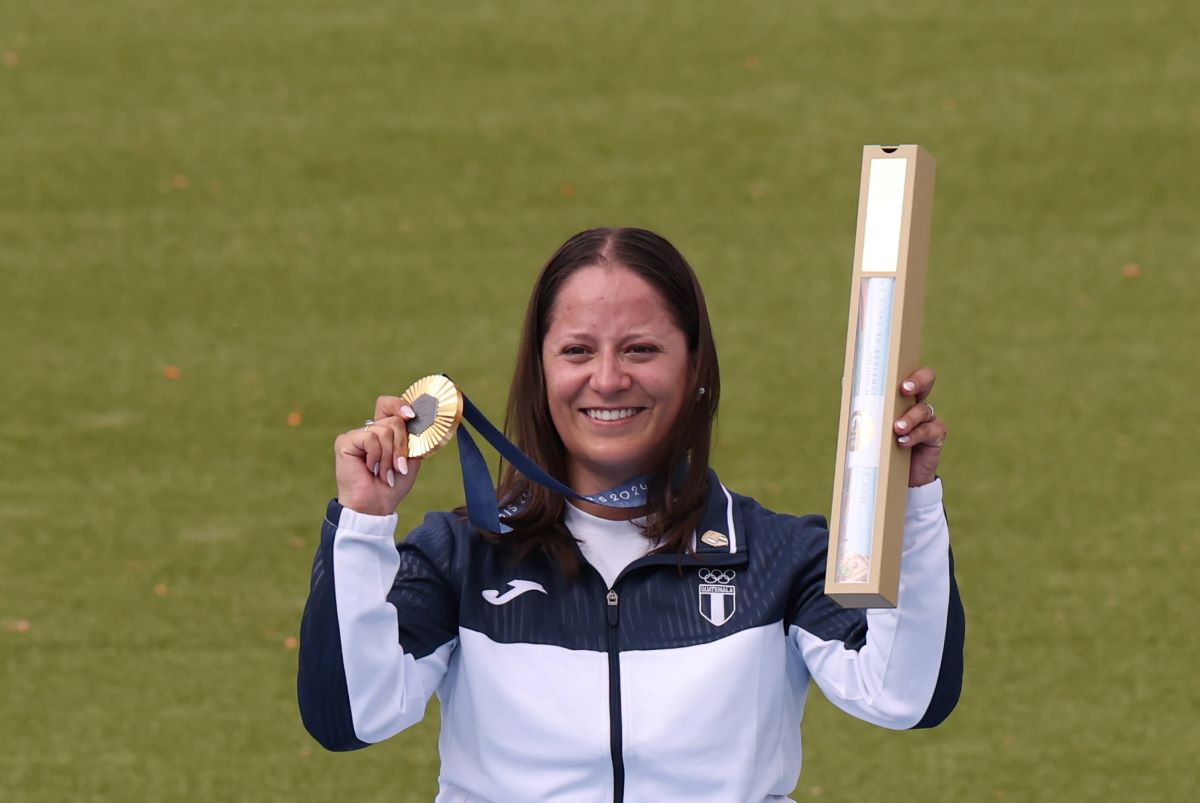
(887, 308)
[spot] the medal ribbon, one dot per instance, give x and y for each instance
(481, 494)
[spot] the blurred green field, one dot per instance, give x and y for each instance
(300, 206)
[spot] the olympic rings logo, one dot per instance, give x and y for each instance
(717, 576)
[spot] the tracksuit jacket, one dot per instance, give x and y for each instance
(684, 681)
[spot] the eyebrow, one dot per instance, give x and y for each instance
(638, 335)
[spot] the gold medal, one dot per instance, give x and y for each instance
(438, 404)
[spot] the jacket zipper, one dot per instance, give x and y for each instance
(614, 698)
(613, 600)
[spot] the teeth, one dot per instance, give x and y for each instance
(611, 415)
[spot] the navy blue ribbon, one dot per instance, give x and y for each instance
(482, 509)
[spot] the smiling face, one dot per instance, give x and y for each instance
(616, 368)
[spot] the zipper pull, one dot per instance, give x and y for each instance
(612, 600)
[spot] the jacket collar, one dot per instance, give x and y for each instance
(719, 540)
(720, 531)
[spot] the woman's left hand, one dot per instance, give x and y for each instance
(920, 429)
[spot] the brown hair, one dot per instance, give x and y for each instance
(674, 508)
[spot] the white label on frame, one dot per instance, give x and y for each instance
(866, 427)
(885, 213)
(873, 341)
(864, 447)
(858, 523)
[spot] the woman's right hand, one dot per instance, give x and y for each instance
(371, 463)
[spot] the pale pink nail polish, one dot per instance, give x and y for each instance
(402, 465)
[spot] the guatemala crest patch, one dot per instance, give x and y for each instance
(718, 595)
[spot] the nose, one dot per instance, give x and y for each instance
(609, 376)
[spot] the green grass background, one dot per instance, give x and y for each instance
(303, 205)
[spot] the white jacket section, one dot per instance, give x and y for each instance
(531, 717)
(732, 717)
(388, 689)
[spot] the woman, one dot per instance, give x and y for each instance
(595, 653)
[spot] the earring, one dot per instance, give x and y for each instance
(702, 390)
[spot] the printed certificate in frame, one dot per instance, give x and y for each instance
(883, 345)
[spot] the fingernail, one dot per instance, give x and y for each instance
(391, 478)
(402, 464)
(901, 424)
(408, 412)
(903, 439)
(375, 469)
(909, 385)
